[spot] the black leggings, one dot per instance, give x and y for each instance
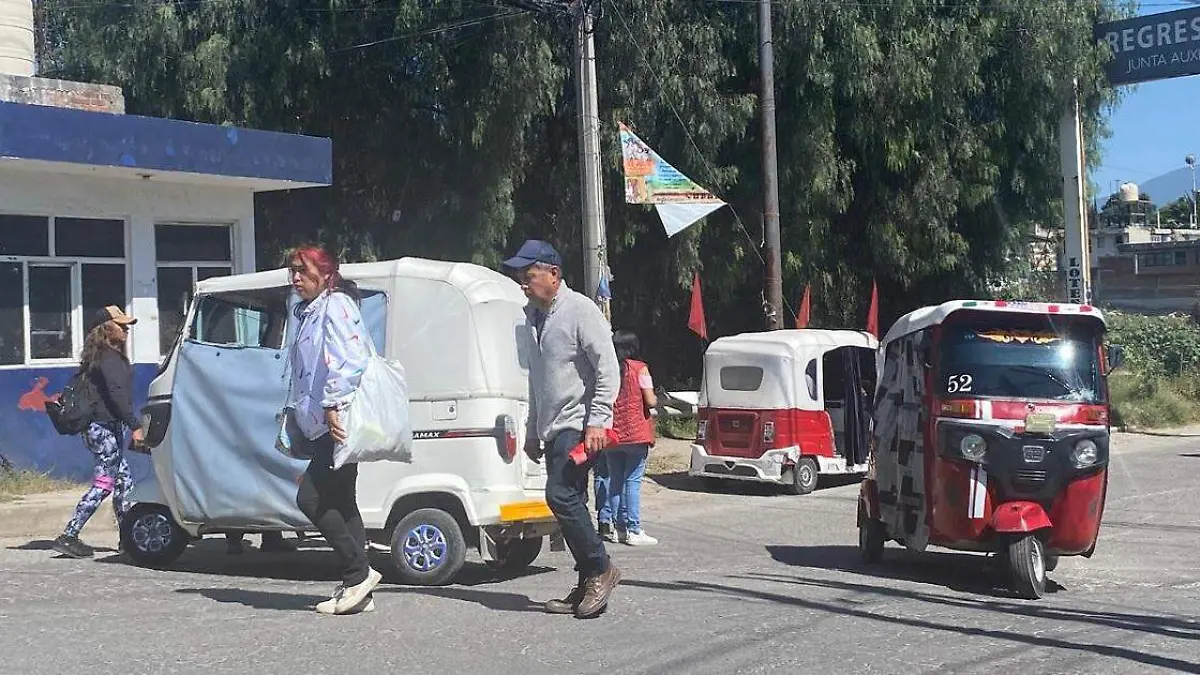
(328, 499)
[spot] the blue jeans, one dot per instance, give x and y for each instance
(600, 483)
(566, 494)
(626, 467)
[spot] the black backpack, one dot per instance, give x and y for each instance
(75, 408)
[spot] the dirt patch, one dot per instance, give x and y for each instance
(16, 484)
(669, 456)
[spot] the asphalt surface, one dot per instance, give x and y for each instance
(746, 581)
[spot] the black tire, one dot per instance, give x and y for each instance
(1051, 562)
(804, 477)
(514, 555)
(871, 538)
(428, 548)
(1027, 562)
(151, 537)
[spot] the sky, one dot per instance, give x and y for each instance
(1154, 127)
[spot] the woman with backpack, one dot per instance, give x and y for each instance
(633, 423)
(109, 376)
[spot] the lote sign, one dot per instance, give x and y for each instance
(1152, 47)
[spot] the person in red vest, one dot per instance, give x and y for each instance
(633, 424)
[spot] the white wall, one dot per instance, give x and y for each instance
(141, 203)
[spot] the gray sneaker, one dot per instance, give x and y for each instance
(72, 547)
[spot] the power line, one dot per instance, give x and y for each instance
(466, 23)
(692, 140)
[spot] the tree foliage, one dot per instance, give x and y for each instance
(918, 139)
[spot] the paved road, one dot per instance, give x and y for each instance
(743, 582)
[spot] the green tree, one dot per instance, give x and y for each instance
(917, 140)
(1178, 213)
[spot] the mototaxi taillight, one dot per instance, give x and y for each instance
(508, 442)
(768, 434)
(702, 430)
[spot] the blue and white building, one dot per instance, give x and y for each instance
(98, 207)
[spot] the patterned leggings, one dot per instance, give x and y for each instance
(111, 474)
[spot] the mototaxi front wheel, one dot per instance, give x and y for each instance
(151, 537)
(1027, 563)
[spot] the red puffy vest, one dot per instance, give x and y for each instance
(631, 422)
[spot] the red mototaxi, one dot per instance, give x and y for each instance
(991, 434)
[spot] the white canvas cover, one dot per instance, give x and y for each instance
(782, 355)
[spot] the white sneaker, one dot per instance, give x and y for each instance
(354, 596)
(638, 538)
(330, 606)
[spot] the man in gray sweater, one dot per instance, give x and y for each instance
(573, 383)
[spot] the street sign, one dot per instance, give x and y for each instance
(1152, 47)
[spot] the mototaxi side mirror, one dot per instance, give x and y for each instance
(1115, 355)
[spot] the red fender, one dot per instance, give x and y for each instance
(1020, 517)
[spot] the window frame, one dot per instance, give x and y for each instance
(164, 345)
(198, 303)
(75, 264)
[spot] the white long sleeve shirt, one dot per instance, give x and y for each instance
(328, 358)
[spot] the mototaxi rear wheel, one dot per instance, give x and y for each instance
(804, 477)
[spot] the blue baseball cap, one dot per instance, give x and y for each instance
(534, 251)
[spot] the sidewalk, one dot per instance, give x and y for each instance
(45, 515)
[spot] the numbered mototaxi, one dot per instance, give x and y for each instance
(785, 406)
(991, 434)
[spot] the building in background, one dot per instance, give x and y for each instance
(1150, 277)
(98, 207)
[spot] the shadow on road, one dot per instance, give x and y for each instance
(312, 561)
(48, 545)
(504, 602)
(962, 572)
(257, 599)
(910, 616)
(680, 481)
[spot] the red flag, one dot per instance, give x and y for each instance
(696, 315)
(873, 312)
(805, 310)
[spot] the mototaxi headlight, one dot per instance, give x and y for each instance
(973, 447)
(1085, 453)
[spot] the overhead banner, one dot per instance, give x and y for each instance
(649, 179)
(1152, 47)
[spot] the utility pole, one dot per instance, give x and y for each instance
(766, 61)
(589, 152)
(1075, 240)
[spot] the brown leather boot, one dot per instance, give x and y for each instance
(596, 591)
(568, 604)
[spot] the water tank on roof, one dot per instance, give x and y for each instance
(1129, 191)
(16, 37)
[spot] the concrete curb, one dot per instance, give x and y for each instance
(45, 515)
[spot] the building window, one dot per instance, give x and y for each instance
(187, 254)
(57, 270)
(1162, 259)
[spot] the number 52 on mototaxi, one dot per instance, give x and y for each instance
(991, 434)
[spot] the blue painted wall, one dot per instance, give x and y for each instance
(29, 441)
(102, 139)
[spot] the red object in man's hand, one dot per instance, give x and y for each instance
(579, 453)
